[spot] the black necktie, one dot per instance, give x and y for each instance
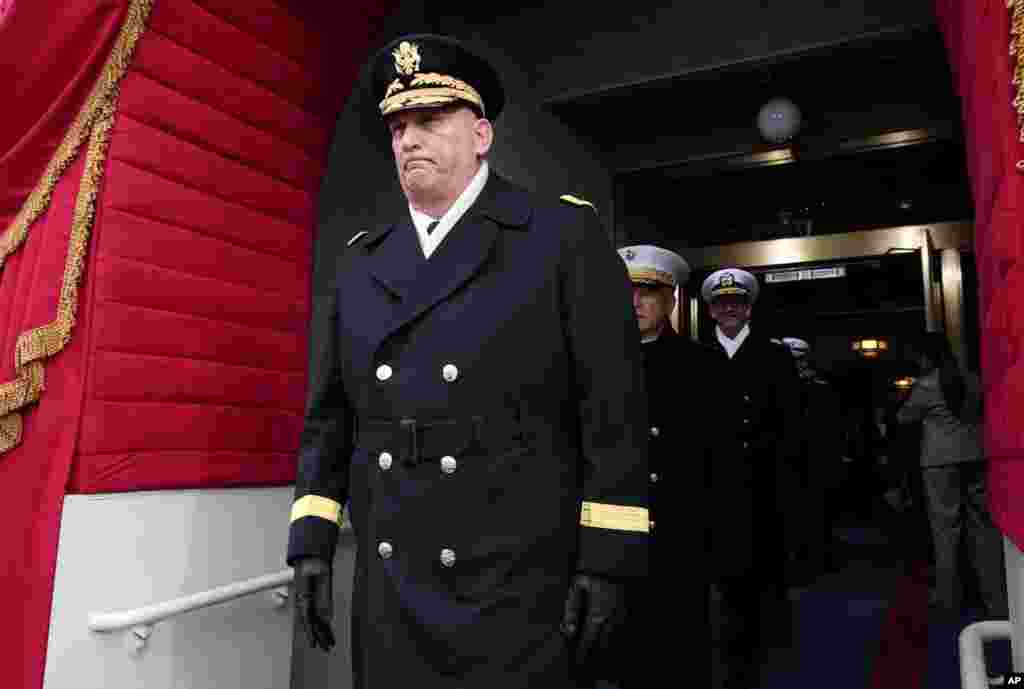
(431, 226)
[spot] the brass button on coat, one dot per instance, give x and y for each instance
(448, 557)
(384, 372)
(450, 372)
(654, 478)
(448, 464)
(655, 432)
(384, 461)
(385, 550)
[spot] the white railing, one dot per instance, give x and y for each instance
(973, 671)
(141, 620)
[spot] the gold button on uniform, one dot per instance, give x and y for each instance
(448, 464)
(385, 550)
(447, 557)
(450, 372)
(655, 432)
(384, 372)
(654, 478)
(384, 461)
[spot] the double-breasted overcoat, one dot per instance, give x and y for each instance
(483, 415)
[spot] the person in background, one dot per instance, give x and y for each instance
(948, 403)
(820, 465)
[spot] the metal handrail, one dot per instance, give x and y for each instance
(145, 617)
(973, 671)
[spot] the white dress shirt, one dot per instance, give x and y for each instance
(732, 346)
(469, 195)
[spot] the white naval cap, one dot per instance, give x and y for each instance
(797, 347)
(653, 265)
(730, 281)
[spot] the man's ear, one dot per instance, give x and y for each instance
(484, 133)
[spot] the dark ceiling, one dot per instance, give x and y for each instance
(908, 66)
(837, 180)
(882, 188)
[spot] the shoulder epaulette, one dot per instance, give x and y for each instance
(356, 237)
(575, 200)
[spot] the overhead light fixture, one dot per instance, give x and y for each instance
(870, 347)
(779, 120)
(903, 383)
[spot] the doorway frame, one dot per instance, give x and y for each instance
(940, 246)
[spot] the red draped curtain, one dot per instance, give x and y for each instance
(986, 49)
(159, 166)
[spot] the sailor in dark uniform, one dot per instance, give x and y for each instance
(753, 476)
(480, 410)
(820, 465)
(676, 370)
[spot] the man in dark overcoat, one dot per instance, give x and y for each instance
(677, 371)
(753, 476)
(820, 463)
(479, 411)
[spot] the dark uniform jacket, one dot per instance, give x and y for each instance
(677, 371)
(821, 415)
(754, 477)
(512, 355)
(820, 467)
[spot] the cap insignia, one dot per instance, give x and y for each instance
(726, 280)
(407, 58)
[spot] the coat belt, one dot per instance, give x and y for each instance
(414, 441)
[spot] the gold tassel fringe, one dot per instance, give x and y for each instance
(93, 123)
(1016, 8)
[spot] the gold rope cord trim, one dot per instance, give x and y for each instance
(10, 430)
(39, 343)
(95, 120)
(115, 67)
(1016, 8)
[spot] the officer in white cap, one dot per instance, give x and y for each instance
(730, 294)
(820, 465)
(753, 475)
(674, 367)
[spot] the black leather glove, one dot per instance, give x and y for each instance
(314, 601)
(594, 608)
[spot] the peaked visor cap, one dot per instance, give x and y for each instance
(652, 265)
(797, 347)
(429, 71)
(730, 281)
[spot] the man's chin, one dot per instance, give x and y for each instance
(418, 186)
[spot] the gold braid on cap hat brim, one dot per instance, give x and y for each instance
(651, 275)
(427, 90)
(720, 291)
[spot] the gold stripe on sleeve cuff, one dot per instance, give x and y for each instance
(618, 517)
(316, 506)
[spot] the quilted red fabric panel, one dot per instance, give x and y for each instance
(201, 256)
(977, 35)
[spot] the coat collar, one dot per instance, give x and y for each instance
(395, 259)
(501, 201)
